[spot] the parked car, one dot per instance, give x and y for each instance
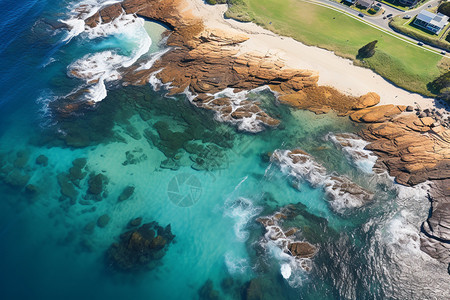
(385, 17)
(420, 43)
(389, 15)
(406, 17)
(361, 15)
(379, 4)
(443, 52)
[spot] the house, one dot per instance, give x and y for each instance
(364, 3)
(430, 21)
(408, 2)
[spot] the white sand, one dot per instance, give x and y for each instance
(334, 71)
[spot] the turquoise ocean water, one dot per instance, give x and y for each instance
(51, 246)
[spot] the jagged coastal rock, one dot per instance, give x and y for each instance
(412, 149)
(215, 69)
(339, 190)
(415, 150)
(286, 239)
(212, 63)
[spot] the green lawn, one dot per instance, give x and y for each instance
(404, 64)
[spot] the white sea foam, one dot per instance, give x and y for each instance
(236, 265)
(95, 69)
(403, 229)
(48, 62)
(102, 67)
(286, 271)
(340, 190)
(248, 124)
(80, 12)
(343, 193)
(403, 233)
(354, 150)
(242, 211)
(153, 58)
(301, 166)
(44, 101)
(291, 268)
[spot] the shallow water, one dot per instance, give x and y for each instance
(49, 252)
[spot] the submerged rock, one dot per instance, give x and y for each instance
(135, 222)
(264, 288)
(140, 248)
(42, 160)
(67, 188)
(170, 164)
(17, 179)
(97, 183)
(31, 189)
(89, 228)
(126, 193)
(21, 159)
(103, 220)
(134, 157)
(207, 291)
(80, 163)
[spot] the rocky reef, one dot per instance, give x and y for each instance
(217, 72)
(415, 148)
(339, 190)
(286, 239)
(140, 248)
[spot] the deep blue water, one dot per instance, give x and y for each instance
(47, 252)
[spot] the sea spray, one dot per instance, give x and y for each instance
(238, 100)
(354, 149)
(80, 12)
(340, 190)
(99, 69)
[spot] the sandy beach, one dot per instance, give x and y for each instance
(333, 70)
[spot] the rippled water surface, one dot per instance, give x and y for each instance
(205, 178)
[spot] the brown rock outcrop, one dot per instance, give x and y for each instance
(285, 239)
(367, 100)
(379, 113)
(302, 249)
(211, 62)
(412, 151)
(340, 190)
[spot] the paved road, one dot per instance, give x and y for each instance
(379, 22)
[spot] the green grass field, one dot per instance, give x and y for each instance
(404, 64)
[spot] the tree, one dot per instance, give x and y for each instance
(367, 51)
(444, 8)
(214, 2)
(441, 86)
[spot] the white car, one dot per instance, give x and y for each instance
(406, 17)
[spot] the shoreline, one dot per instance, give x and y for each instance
(334, 71)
